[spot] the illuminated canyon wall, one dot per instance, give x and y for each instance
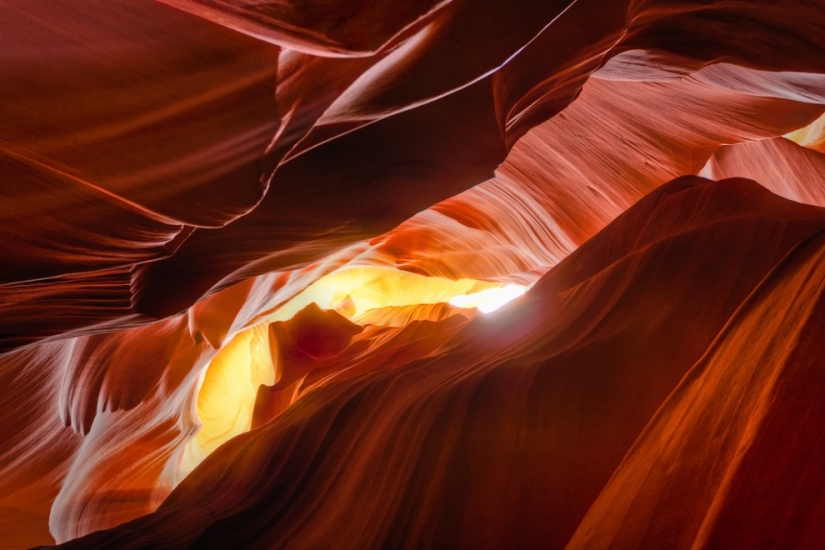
(450, 274)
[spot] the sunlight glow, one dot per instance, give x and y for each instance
(353, 291)
(226, 397)
(812, 135)
(490, 299)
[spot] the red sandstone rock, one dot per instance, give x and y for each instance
(172, 176)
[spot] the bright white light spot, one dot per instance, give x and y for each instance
(490, 299)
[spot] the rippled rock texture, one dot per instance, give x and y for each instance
(251, 252)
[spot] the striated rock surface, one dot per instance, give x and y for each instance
(523, 416)
(246, 249)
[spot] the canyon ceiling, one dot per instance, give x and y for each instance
(412, 274)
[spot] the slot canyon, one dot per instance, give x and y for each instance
(361, 274)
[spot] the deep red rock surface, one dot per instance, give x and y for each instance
(236, 229)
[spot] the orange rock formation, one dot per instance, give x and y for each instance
(253, 255)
